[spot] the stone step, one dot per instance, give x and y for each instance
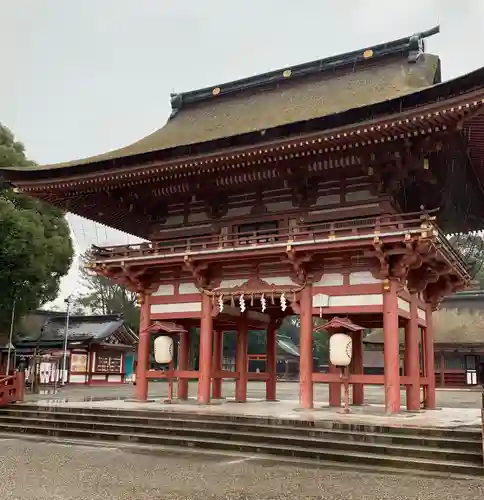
(262, 458)
(278, 439)
(178, 412)
(180, 424)
(355, 457)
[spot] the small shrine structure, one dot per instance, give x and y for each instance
(458, 340)
(298, 191)
(100, 348)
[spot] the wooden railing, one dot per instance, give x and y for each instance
(12, 388)
(359, 228)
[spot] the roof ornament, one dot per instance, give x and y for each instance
(417, 48)
(176, 101)
(417, 44)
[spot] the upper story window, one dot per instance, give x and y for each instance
(257, 233)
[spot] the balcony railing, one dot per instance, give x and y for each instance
(349, 229)
(12, 388)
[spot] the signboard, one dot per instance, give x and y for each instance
(78, 363)
(108, 364)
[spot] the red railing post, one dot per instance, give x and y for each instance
(20, 389)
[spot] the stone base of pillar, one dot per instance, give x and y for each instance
(134, 400)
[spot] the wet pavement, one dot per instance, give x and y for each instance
(457, 409)
(32, 470)
(374, 415)
(460, 398)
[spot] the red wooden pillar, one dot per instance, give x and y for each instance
(411, 356)
(218, 346)
(306, 394)
(241, 360)
(205, 368)
(429, 361)
(442, 369)
(20, 386)
(357, 362)
(334, 387)
(391, 348)
(90, 367)
(271, 362)
(141, 392)
(183, 352)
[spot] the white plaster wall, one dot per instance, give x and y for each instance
(356, 300)
(403, 305)
(330, 279)
(329, 199)
(361, 195)
(279, 280)
(238, 211)
(197, 217)
(175, 220)
(363, 278)
(279, 206)
(421, 314)
(320, 300)
(176, 308)
(186, 288)
(164, 290)
(232, 283)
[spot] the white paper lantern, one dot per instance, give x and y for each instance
(164, 349)
(340, 349)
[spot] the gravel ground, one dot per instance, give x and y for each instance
(31, 470)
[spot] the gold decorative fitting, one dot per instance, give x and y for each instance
(368, 53)
(287, 73)
(216, 91)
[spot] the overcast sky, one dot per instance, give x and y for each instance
(83, 77)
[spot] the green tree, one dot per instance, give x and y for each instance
(35, 244)
(103, 296)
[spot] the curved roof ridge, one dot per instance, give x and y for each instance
(413, 45)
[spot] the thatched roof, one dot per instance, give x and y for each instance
(297, 94)
(450, 327)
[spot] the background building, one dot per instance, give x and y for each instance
(100, 349)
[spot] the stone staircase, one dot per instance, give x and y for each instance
(441, 452)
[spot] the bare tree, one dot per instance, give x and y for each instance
(103, 296)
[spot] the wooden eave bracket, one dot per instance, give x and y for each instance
(198, 270)
(298, 263)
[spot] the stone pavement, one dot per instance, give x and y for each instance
(289, 410)
(31, 470)
(285, 390)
